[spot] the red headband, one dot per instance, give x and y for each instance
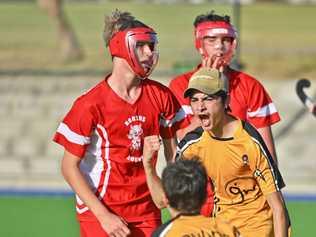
(123, 45)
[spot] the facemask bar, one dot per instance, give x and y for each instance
(135, 42)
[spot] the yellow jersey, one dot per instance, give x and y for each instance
(242, 171)
(195, 225)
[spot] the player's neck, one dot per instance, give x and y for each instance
(124, 83)
(226, 128)
(173, 212)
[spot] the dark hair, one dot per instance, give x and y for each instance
(184, 183)
(119, 21)
(210, 16)
(223, 95)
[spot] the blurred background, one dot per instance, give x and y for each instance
(51, 51)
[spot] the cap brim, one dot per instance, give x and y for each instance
(208, 91)
(205, 80)
(188, 92)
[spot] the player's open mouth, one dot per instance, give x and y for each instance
(203, 116)
(205, 120)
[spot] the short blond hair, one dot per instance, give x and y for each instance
(118, 21)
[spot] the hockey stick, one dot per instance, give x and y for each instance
(306, 100)
(301, 84)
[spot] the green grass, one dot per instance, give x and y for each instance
(302, 216)
(39, 216)
(277, 40)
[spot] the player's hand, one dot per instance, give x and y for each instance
(221, 60)
(151, 146)
(215, 62)
(115, 226)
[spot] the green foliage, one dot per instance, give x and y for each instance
(277, 40)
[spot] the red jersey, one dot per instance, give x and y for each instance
(249, 101)
(107, 133)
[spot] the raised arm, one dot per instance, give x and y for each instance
(111, 223)
(170, 149)
(151, 146)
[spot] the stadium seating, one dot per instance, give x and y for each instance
(31, 108)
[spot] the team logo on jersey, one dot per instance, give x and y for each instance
(245, 160)
(258, 173)
(135, 135)
(241, 188)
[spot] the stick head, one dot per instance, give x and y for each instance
(306, 100)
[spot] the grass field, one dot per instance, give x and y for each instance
(55, 216)
(277, 40)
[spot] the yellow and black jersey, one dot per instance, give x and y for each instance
(242, 171)
(194, 226)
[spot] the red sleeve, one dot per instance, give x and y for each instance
(173, 116)
(249, 101)
(262, 111)
(74, 131)
(178, 85)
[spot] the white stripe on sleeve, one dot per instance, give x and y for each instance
(263, 111)
(181, 114)
(72, 136)
(187, 109)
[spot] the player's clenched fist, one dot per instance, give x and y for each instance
(115, 226)
(151, 146)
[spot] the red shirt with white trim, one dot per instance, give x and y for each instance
(249, 101)
(107, 133)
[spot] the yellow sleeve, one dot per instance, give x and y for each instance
(192, 152)
(267, 176)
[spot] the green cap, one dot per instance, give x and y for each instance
(206, 80)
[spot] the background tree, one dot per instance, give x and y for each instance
(69, 45)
